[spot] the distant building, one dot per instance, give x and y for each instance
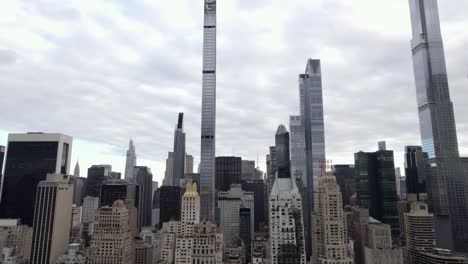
(228, 172)
(245, 233)
(2, 158)
(179, 151)
(90, 205)
(169, 172)
(112, 238)
(248, 170)
(79, 185)
(16, 236)
(382, 145)
(330, 245)
(297, 147)
(207, 244)
(143, 252)
(76, 171)
(170, 202)
(416, 173)
(75, 255)
(235, 254)
(166, 241)
(260, 250)
(76, 223)
(30, 157)
(130, 162)
(97, 174)
(376, 187)
(144, 178)
(52, 219)
(345, 178)
(230, 204)
(258, 188)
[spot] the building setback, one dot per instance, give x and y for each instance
(52, 219)
(30, 157)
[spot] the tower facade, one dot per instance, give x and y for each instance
(437, 126)
(179, 151)
(208, 120)
(130, 161)
(415, 170)
(30, 157)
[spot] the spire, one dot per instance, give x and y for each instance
(76, 172)
(130, 161)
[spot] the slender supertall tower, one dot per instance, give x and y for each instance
(130, 162)
(179, 151)
(437, 126)
(207, 157)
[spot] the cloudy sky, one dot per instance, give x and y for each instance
(106, 71)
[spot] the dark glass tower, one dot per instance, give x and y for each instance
(282, 153)
(259, 189)
(415, 170)
(376, 187)
(179, 151)
(144, 178)
(29, 158)
(208, 119)
(345, 179)
(97, 174)
(169, 203)
(245, 232)
(228, 171)
(437, 126)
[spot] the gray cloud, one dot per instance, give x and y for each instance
(109, 71)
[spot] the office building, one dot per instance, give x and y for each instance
(416, 173)
(76, 223)
(283, 160)
(272, 168)
(245, 232)
(52, 219)
(170, 202)
(376, 187)
(169, 172)
(97, 174)
(75, 255)
(29, 158)
(90, 204)
(297, 148)
(208, 118)
(16, 236)
(79, 185)
(258, 188)
(179, 151)
(143, 252)
(437, 127)
(360, 221)
(378, 245)
(112, 239)
(207, 244)
(235, 254)
(330, 225)
(345, 179)
(248, 172)
(130, 162)
(230, 204)
(188, 163)
(76, 171)
(166, 241)
(144, 178)
(286, 227)
(228, 172)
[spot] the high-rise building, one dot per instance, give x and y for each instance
(286, 225)
(207, 244)
(29, 158)
(248, 170)
(166, 241)
(375, 186)
(415, 170)
(345, 178)
(179, 151)
(144, 178)
(297, 147)
(229, 204)
(438, 128)
(76, 171)
(169, 172)
(143, 252)
(130, 162)
(16, 236)
(52, 219)
(360, 222)
(330, 225)
(398, 183)
(272, 168)
(170, 202)
(88, 213)
(97, 174)
(312, 117)
(283, 160)
(112, 238)
(228, 172)
(208, 119)
(79, 185)
(258, 188)
(188, 163)
(378, 245)
(245, 232)
(75, 255)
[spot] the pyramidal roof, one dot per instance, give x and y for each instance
(281, 130)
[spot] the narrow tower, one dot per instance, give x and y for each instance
(437, 126)
(208, 120)
(179, 151)
(130, 162)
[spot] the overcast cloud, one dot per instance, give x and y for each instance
(104, 71)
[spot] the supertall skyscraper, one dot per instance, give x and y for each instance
(179, 151)
(130, 161)
(208, 120)
(29, 158)
(437, 126)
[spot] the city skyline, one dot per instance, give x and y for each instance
(235, 114)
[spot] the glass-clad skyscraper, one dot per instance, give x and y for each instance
(179, 151)
(208, 120)
(437, 124)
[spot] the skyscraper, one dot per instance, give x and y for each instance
(415, 170)
(330, 223)
(52, 219)
(97, 174)
(179, 151)
(375, 186)
(144, 178)
(297, 146)
(76, 171)
(283, 160)
(437, 126)
(130, 162)
(208, 119)
(228, 171)
(29, 158)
